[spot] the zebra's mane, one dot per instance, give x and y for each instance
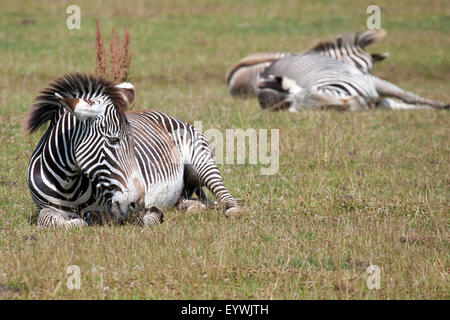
(338, 48)
(75, 85)
(360, 39)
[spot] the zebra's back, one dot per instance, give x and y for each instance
(321, 72)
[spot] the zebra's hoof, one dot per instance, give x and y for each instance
(234, 212)
(76, 223)
(49, 218)
(196, 207)
(153, 216)
(190, 206)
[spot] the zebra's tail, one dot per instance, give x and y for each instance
(387, 89)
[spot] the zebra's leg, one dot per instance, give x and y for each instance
(318, 99)
(204, 170)
(205, 199)
(189, 204)
(193, 185)
(49, 218)
(210, 203)
(152, 216)
(391, 104)
(387, 89)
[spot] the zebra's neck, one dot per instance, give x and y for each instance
(62, 156)
(53, 168)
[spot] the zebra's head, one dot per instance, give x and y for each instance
(100, 141)
(271, 91)
(275, 90)
(284, 93)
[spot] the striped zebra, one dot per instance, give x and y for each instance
(96, 161)
(243, 77)
(314, 81)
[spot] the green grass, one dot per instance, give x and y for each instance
(352, 189)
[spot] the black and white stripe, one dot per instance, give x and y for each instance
(349, 49)
(87, 167)
(245, 75)
(178, 147)
(315, 81)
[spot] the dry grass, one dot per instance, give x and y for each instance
(120, 58)
(352, 190)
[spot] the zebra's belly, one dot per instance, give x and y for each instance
(165, 194)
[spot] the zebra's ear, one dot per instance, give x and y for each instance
(127, 91)
(81, 108)
(67, 103)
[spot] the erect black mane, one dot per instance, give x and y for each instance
(75, 85)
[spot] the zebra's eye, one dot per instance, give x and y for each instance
(113, 140)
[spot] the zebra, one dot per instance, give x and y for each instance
(243, 77)
(98, 162)
(315, 81)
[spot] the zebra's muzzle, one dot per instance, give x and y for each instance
(118, 212)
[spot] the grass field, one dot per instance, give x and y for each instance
(352, 190)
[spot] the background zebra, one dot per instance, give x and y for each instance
(314, 81)
(243, 77)
(97, 161)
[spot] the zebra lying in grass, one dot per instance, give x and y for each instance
(311, 81)
(333, 74)
(243, 77)
(96, 162)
